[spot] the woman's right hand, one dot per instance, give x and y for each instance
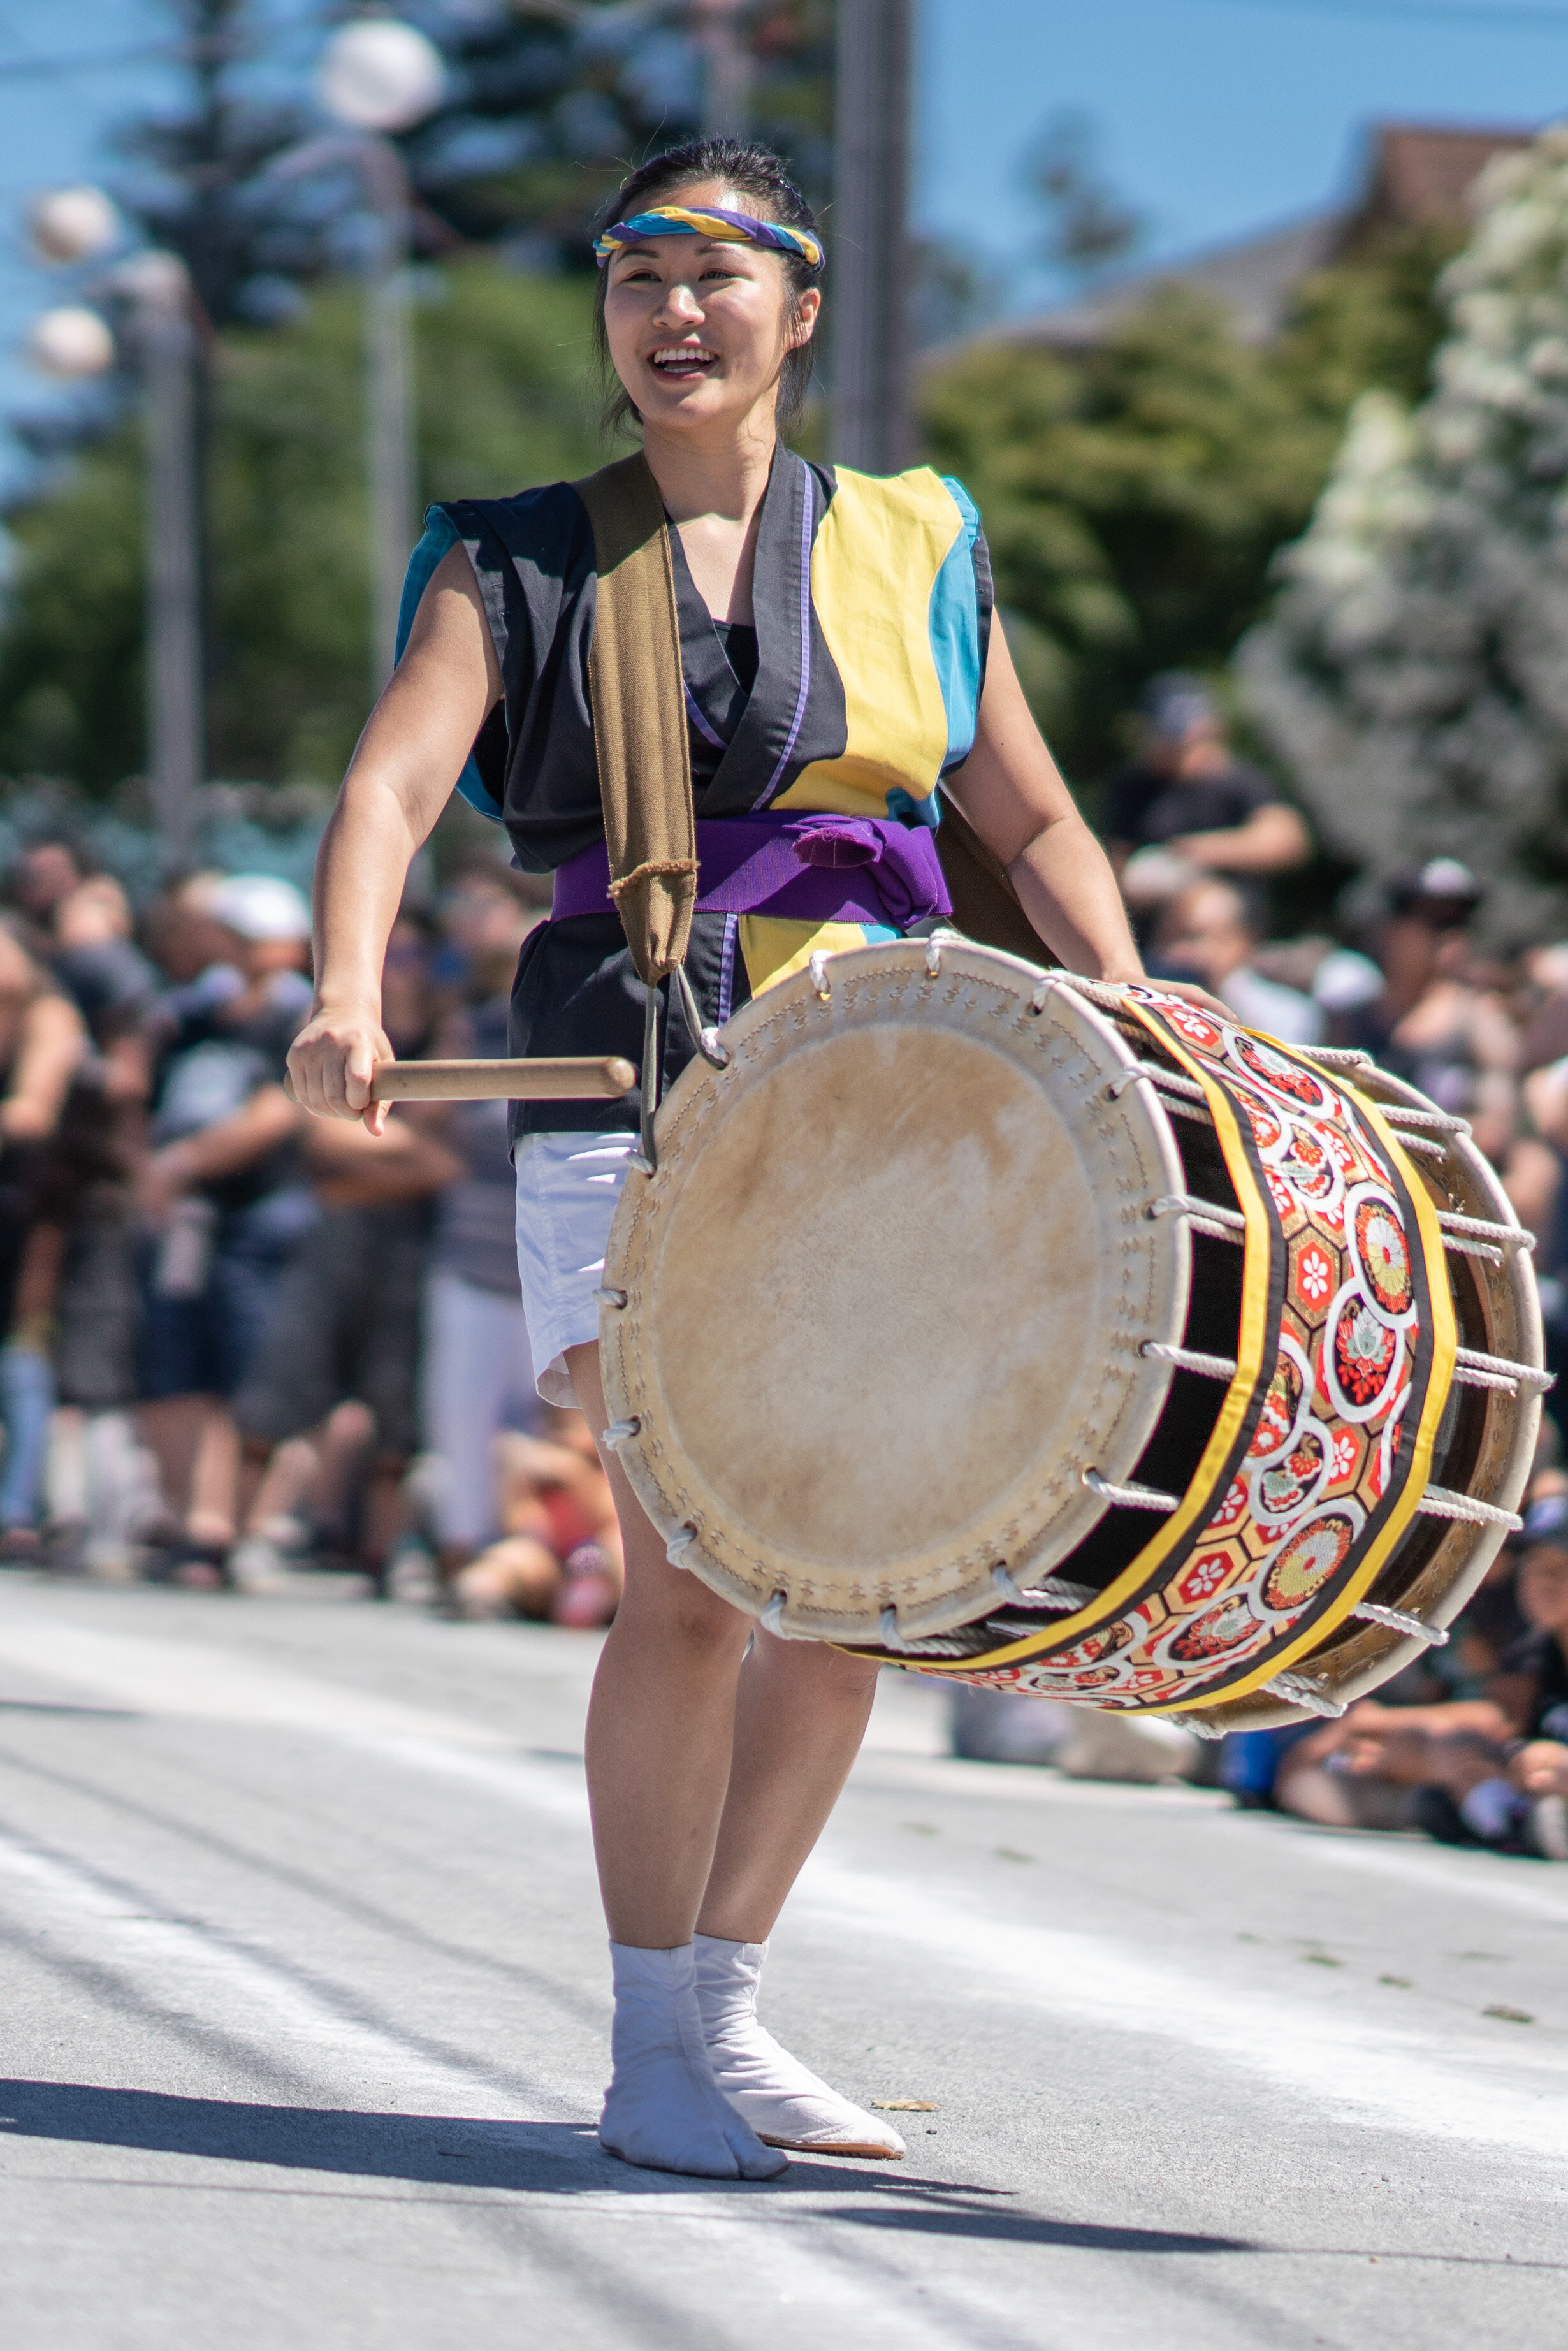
(332, 1062)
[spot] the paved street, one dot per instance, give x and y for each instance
(306, 2011)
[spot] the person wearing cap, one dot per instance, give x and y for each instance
(221, 1193)
(1187, 805)
(1434, 1020)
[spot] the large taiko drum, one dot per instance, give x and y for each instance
(1059, 1338)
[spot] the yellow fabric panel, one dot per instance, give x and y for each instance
(879, 549)
(774, 949)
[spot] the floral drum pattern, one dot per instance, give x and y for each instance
(1310, 1476)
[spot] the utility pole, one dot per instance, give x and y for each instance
(725, 39)
(870, 237)
(166, 334)
(389, 406)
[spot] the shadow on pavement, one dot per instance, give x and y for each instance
(564, 2159)
(941, 2220)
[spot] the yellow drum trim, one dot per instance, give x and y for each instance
(1445, 1343)
(878, 551)
(1197, 1503)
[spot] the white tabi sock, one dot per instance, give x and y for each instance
(663, 2108)
(784, 2103)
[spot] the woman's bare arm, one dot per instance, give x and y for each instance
(50, 1049)
(400, 779)
(1011, 791)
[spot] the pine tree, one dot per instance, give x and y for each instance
(1412, 677)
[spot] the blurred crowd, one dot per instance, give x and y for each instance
(251, 1351)
(244, 1345)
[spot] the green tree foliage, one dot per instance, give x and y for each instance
(1134, 494)
(504, 402)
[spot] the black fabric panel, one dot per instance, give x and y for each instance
(533, 559)
(577, 992)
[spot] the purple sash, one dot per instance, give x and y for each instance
(812, 868)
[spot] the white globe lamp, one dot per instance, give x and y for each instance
(379, 74)
(71, 343)
(73, 224)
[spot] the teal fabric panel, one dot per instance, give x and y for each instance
(440, 538)
(954, 621)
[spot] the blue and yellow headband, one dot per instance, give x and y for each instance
(725, 228)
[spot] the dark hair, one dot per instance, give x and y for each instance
(751, 172)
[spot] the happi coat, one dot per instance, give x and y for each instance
(872, 605)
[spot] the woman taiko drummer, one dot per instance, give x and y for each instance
(836, 655)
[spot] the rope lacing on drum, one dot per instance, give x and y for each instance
(1482, 1229)
(1423, 1122)
(1399, 1620)
(1297, 1691)
(1197, 1725)
(1183, 1097)
(1474, 1370)
(1204, 1216)
(1335, 1057)
(1130, 1497)
(620, 1432)
(1438, 1502)
(1189, 1359)
(1099, 991)
(1054, 1593)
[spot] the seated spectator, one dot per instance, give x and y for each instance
(1187, 805)
(560, 1555)
(222, 1194)
(1438, 1021)
(1208, 934)
(1490, 1771)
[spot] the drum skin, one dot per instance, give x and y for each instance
(945, 1200)
(888, 1290)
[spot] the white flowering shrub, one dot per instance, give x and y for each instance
(1413, 675)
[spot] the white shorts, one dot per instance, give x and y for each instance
(568, 1185)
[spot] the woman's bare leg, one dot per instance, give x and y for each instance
(660, 1722)
(706, 1797)
(799, 1718)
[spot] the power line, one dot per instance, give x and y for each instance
(1503, 17)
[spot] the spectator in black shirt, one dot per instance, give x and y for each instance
(1189, 797)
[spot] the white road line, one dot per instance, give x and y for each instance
(178, 1965)
(1463, 2087)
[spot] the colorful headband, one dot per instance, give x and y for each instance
(724, 228)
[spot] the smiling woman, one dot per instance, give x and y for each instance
(718, 693)
(780, 223)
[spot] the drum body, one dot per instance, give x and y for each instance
(1091, 1349)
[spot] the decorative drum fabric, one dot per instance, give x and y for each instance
(1323, 1443)
(873, 604)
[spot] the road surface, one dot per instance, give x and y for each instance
(305, 2006)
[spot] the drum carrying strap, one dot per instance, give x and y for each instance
(637, 693)
(640, 718)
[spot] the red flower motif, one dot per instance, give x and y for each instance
(1314, 1275)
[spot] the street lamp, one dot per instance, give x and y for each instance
(377, 76)
(74, 342)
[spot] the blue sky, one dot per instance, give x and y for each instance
(1216, 116)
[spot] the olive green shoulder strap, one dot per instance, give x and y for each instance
(638, 698)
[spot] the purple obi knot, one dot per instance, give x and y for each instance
(817, 867)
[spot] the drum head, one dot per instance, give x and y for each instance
(888, 1289)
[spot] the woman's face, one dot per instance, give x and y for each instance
(699, 329)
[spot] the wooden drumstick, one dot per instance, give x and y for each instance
(571, 1077)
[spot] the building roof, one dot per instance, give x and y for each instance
(1414, 175)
